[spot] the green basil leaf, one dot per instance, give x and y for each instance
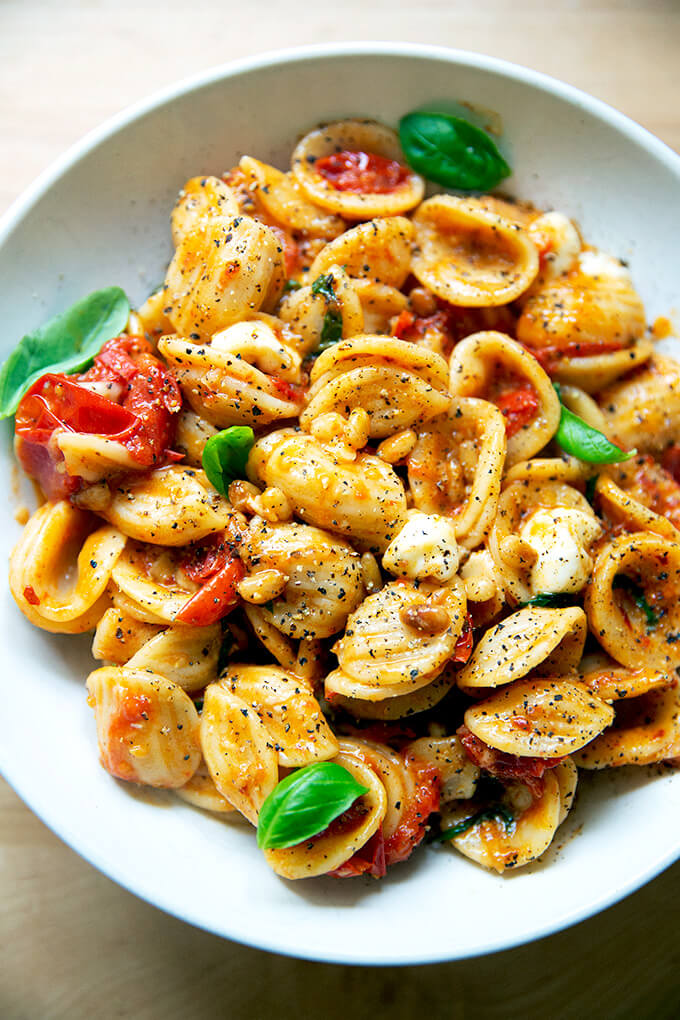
(637, 595)
(304, 803)
(497, 812)
(291, 285)
(331, 331)
(324, 285)
(225, 456)
(581, 440)
(451, 151)
(556, 600)
(66, 343)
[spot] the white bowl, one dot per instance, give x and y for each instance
(100, 216)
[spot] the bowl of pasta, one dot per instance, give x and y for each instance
(343, 607)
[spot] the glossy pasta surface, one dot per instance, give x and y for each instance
(408, 575)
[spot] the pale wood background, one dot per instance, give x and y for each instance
(72, 944)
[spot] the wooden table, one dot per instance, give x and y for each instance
(75, 945)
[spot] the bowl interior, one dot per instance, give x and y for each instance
(103, 218)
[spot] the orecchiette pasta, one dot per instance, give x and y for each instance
(344, 496)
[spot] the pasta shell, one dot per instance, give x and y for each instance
(223, 271)
(379, 250)
(459, 775)
(470, 256)
(147, 727)
(186, 655)
(150, 586)
(201, 198)
(456, 465)
(61, 566)
(585, 321)
(403, 705)
(169, 506)
(305, 312)
(397, 383)
(621, 626)
(392, 771)
(379, 304)
(566, 775)
(545, 640)
(398, 640)
(240, 379)
(337, 843)
(201, 792)
(643, 410)
(191, 435)
(283, 199)
(354, 136)
(118, 636)
(494, 846)
(612, 682)
(288, 711)
(621, 508)
(324, 577)
(364, 500)
(645, 730)
(489, 364)
(238, 751)
(539, 718)
(646, 482)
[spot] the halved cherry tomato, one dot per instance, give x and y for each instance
(507, 767)
(519, 407)
(411, 829)
(55, 402)
(291, 252)
(455, 323)
(213, 563)
(550, 358)
(365, 173)
(367, 860)
(136, 409)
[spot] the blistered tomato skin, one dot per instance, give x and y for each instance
(364, 173)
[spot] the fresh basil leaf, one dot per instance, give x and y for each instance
(304, 803)
(291, 285)
(66, 343)
(225, 456)
(331, 330)
(451, 151)
(497, 813)
(581, 440)
(556, 600)
(637, 595)
(325, 286)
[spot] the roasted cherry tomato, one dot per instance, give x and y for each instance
(127, 396)
(213, 565)
(362, 172)
(507, 767)
(519, 407)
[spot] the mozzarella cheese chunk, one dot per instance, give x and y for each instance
(598, 264)
(561, 538)
(425, 547)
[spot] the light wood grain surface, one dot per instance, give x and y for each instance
(72, 944)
